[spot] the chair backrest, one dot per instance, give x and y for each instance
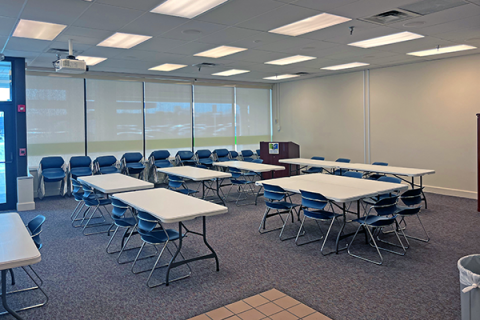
(386, 206)
(77, 190)
(273, 193)
(313, 200)
(380, 164)
(80, 161)
(174, 182)
(35, 228)
(343, 160)
(221, 154)
(119, 208)
(318, 158)
(185, 155)
(204, 153)
(146, 222)
(160, 155)
(236, 173)
(258, 152)
(353, 174)
(233, 154)
(389, 179)
(106, 161)
(412, 197)
(131, 157)
(247, 155)
(51, 162)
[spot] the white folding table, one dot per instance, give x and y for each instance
(17, 249)
(115, 183)
(172, 207)
(341, 190)
(199, 174)
(249, 166)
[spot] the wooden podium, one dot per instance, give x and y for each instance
(286, 150)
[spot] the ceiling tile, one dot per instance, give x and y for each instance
(256, 56)
(77, 47)
(417, 45)
(54, 11)
(280, 46)
(205, 28)
(105, 52)
(460, 36)
(475, 1)
(234, 12)
(138, 55)
(229, 35)
(190, 48)
(259, 39)
(279, 17)
(366, 8)
(3, 39)
(309, 48)
(24, 44)
(324, 5)
(145, 5)
(99, 16)
(160, 44)
(29, 56)
(153, 24)
(11, 8)
(6, 25)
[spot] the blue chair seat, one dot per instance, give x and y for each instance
(53, 174)
(376, 221)
(94, 202)
(223, 159)
(376, 199)
(159, 236)
(320, 214)
(81, 172)
(206, 161)
(186, 191)
(407, 211)
(125, 222)
(135, 165)
(108, 170)
(280, 205)
(163, 164)
(201, 166)
(313, 170)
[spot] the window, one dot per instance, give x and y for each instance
(214, 118)
(55, 118)
(168, 117)
(114, 117)
(252, 117)
(5, 81)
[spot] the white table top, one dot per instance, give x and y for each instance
(115, 182)
(401, 171)
(337, 188)
(17, 248)
(249, 166)
(193, 173)
(170, 206)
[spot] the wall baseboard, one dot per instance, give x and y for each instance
(452, 192)
(25, 206)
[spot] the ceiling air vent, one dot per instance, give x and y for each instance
(302, 73)
(390, 17)
(205, 65)
(430, 6)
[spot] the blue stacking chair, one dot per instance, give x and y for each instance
(93, 201)
(77, 193)
(51, 170)
(412, 200)
(151, 234)
(353, 174)
(132, 163)
(80, 166)
(314, 169)
(276, 199)
(385, 195)
(106, 165)
(185, 157)
(233, 155)
(238, 180)
(313, 207)
(258, 153)
(177, 183)
(375, 176)
(158, 159)
(204, 159)
(247, 155)
(373, 224)
(221, 155)
(252, 174)
(341, 171)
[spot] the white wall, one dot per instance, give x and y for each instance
(421, 115)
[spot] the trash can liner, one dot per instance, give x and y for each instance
(469, 267)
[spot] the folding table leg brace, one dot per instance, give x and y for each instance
(212, 255)
(4, 296)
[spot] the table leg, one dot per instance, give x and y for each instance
(344, 209)
(218, 192)
(4, 295)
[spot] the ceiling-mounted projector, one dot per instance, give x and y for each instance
(70, 65)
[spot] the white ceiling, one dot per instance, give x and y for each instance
(242, 23)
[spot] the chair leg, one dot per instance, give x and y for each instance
(125, 245)
(75, 210)
(326, 237)
(427, 239)
(171, 280)
(264, 221)
(290, 213)
(395, 228)
(304, 232)
(111, 239)
(372, 238)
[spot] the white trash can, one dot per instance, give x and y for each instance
(469, 267)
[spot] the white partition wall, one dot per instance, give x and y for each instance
(323, 115)
(168, 117)
(55, 118)
(114, 117)
(252, 117)
(214, 123)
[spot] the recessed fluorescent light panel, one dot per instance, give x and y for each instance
(123, 40)
(219, 52)
(346, 66)
(320, 21)
(91, 61)
(431, 52)
(290, 60)
(168, 67)
(382, 41)
(229, 73)
(186, 8)
(37, 30)
(282, 76)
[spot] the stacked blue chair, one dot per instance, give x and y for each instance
(106, 165)
(376, 176)
(77, 193)
(132, 163)
(93, 201)
(373, 200)
(353, 174)
(276, 199)
(79, 166)
(258, 153)
(248, 155)
(158, 159)
(238, 180)
(204, 159)
(177, 183)
(313, 207)
(150, 234)
(373, 224)
(233, 155)
(314, 169)
(341, 171)
(51, 169)
(221, 155)
(185, 158)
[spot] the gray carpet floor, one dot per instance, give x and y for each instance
(84, 282)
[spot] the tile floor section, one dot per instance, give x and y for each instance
(271, 304)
